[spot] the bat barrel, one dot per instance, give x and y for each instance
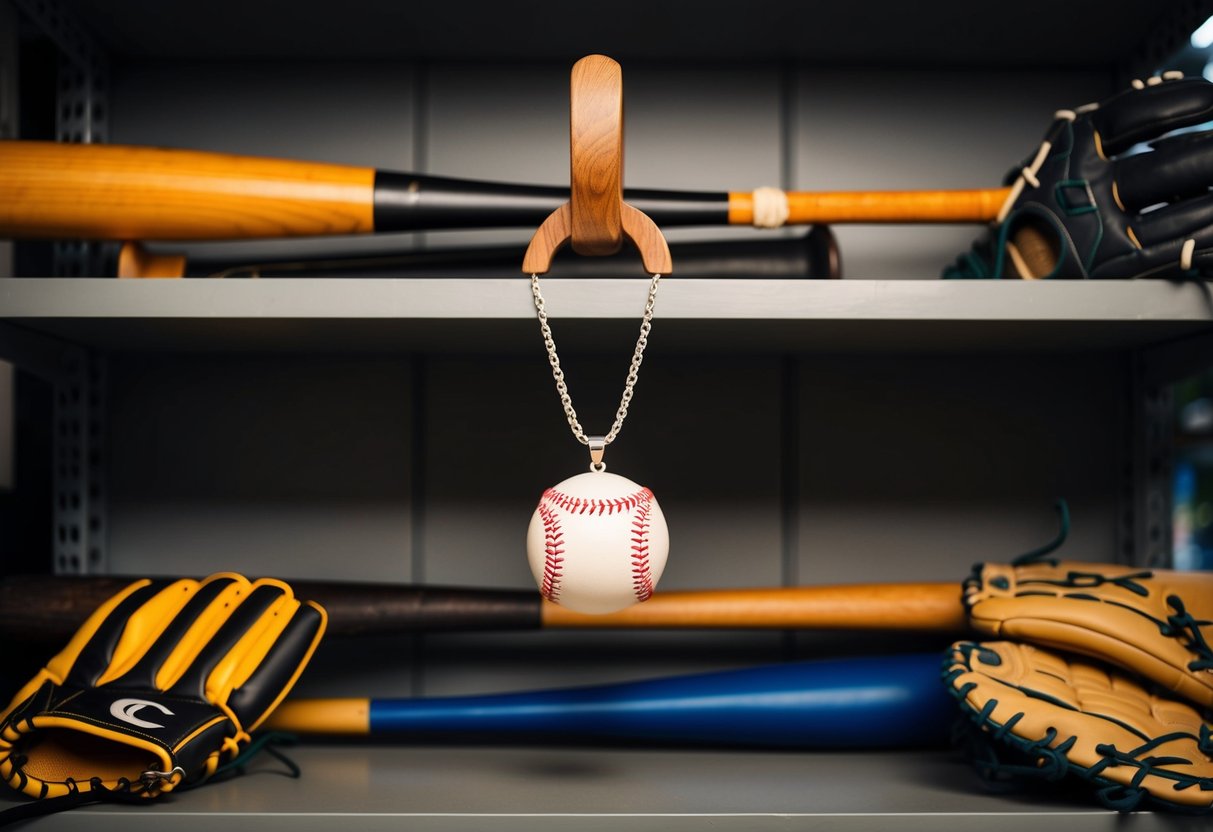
(385, 609)
(49, 608)
(812, 256)
(122, 192)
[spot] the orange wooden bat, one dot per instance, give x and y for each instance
(114, 192)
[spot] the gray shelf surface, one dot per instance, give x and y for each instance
(734, 315)
(500, 788)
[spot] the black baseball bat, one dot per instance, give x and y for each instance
(813, 255)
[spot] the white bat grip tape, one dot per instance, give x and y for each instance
(770, 208)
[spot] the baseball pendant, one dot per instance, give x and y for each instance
(597, 543)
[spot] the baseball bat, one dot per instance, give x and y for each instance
(123, 192)
(813, 255)
(870, 702)
(50, 608)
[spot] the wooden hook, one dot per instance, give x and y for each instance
(596, 219)
(596, 155)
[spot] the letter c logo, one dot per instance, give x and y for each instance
(125, 709)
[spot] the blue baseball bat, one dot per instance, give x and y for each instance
(870, 702)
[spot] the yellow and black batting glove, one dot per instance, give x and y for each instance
(164, 683)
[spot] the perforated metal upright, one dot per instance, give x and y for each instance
(81, 115)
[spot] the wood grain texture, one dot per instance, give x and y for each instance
(951, 206)
(920, 607)
(648, 239)
(596, 155)
(596, 218)
(127, 193)
(548, 238)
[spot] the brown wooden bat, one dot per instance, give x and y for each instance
(115, 192)
(51, 608)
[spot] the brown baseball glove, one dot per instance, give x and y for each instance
(1041, 714)
(1153, 622)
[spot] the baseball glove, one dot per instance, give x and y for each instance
(159, 686)
(1040, 714)
(1153, 622)
(1087, 206)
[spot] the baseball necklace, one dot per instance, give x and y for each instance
(597, 542)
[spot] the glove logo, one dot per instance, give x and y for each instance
(125, 709)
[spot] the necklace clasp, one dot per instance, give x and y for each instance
(597, 449)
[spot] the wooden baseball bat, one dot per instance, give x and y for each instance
(868, 702)
(52, 190)
(51, 608)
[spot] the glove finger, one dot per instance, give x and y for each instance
(1176, 168)
(1191, 218)
(261, 684)
(244, 622)
(116, 634)
(163, 659)
(1140, 115)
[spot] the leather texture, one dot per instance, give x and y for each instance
(1100, 204)
(161, 685)
(1153, 622)
(1041, 714)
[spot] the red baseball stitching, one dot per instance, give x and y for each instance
(552, 561)
(584, 505)
(642, 571)
(642, 574)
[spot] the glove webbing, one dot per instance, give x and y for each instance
(1049, 761)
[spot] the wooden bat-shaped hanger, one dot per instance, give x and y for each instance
(595, 219)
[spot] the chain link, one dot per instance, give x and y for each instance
(562, 388)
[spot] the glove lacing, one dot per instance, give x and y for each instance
(1183, 625)
(140, 792)
(1049, 761)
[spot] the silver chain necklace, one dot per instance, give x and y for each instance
(597, 542)
(596, 443)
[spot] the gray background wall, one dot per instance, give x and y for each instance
(708, 129)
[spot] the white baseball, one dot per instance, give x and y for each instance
(597, 543)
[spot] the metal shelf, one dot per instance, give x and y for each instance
(444, 788)
(467, 315)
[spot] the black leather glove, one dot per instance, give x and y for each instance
(165, 681)
(1084, 206)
